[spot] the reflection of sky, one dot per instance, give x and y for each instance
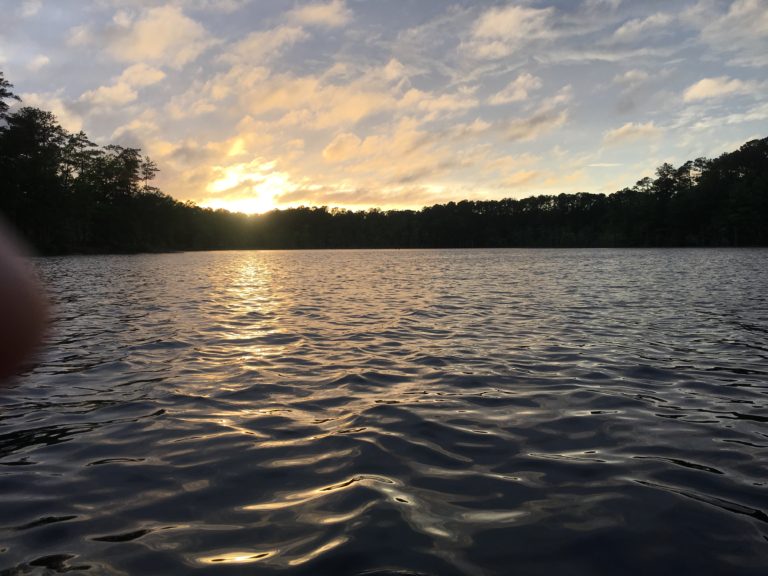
(249, 104)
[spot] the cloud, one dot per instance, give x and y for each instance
(710, 88)
(343, 147)
(140, 75)
(203, 97)
(220, 6)
(601, 5)
(109, 96)
(499, 32)
(79, 35)
(742, 31)
(476, 127)
(402, 148)
(124, 88)
(435, 106)
(631, 79)
(517, 90)
(396, 155)
(190, 104)
(311, 101)
(224, 6)
(549, 115)
(139, 128)
(330, 15)
(520, 178)
(562, 96)
(510, 21)
(529, 128)
(163, 35)
(122, 18)
(260, 47)
(752, 116)
(29, 8)
(641, 89)
(315, 105)
(394, 70)
(632, 132)
(616, 53)
(641, 28)
(38, 62)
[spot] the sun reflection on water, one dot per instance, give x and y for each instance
(236, 557)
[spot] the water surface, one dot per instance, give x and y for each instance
(410, 412)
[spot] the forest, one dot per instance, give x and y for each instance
(64, 194)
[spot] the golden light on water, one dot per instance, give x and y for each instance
(236, 557)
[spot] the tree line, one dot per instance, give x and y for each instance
(65, 194)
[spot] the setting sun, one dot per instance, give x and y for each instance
(251, 188)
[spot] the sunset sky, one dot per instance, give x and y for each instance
(253, 104)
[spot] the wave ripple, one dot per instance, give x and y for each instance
(394, 412)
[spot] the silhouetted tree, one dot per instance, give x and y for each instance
(5, 94)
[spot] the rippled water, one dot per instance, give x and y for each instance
(410, 412)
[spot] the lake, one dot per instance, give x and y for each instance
(439, 412)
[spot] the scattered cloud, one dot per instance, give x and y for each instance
(343, 147)
(631, 78)
(330, 15)
(476, 127)
(30, 8)
(756, 115)
(336, 99)
(601, 5)
(79, 35)
(632, 132)
(260, 47)
(140, 75)
(741, 32)
(710, 88)
(529, 128)
(437, 105)
(124, 88)
(140, 128)
(109, 96)
(212, 6)
(163, 35)
(520, 178)
(517, 90)
(642, 28)
(38, 62)
(223, 6)
(500, 31)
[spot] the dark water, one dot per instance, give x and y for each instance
(409, 412)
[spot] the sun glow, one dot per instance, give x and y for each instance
(252, 187)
